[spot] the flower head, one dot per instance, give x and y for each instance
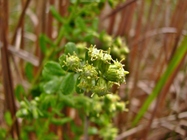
(70, 63)
(89, 72)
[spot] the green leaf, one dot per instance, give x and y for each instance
(67, 100)
(29, 71)
(53, 85)
(51, 69)
(61, 121)
(177, 58)
(56, 15)
(68, 84)
(92, 131)
(48, 101)
(19, 92)
(8, 118)
(42, 43)
(3, 132)
(57, 82)
(80, 23)
(70, 48)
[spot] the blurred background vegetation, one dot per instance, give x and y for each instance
(35, 31)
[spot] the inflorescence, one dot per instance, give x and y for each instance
(96, 73)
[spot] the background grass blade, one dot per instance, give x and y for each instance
(180, 53)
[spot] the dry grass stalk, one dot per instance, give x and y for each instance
(120, 8)
(7, 78)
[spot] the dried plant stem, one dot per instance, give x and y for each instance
(20, 22)
(156, 123)
(50, 21)
(7, 79)
(120, 8)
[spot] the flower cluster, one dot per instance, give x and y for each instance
(70, 62)
(97, 73)
(117, 46)
(29, 109)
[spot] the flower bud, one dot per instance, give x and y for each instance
(115, 52)
(101, 87)
(100, 91)
(85, 84)
(124, 50)
(112, 98)
(25, 112)
(37, 99)
(70, 63)
(107, 40)
(22, 113)
(89, 72)
(78, 89)
(118, 41)
(112, 107)
(34, 103)
(115, 74)
(120, 106)
(94, 53)
(81, 48)
(23, 104)
(102, 66)
(99, 58)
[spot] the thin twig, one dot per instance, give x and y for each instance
(20, 20)
(119, 8)
(23, 54)
(155, 124)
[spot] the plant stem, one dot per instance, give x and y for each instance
(86, 119)
(86, 126)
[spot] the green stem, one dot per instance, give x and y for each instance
(86, 126)
(38, 74)
(86, 120)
